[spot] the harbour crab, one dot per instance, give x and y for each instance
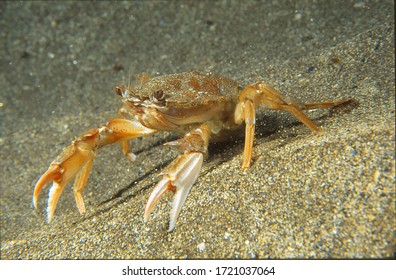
(199, 107)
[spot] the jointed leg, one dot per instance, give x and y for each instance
(245, 111)
(76, 160)
(257, 94)
(124, 144)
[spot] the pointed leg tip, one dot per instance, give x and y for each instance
(318, 130)
(82, 211)
(245, 167)
(132, 157)
(80, 202)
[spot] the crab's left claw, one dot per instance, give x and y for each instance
(178, 177)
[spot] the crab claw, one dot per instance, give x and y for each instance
(76, 160)
(179, 177)
(72, 162)
(52, 174)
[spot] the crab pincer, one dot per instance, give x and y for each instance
(179, 178)
(76, 160)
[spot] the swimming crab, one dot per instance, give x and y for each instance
(199, 107)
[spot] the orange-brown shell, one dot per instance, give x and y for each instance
(189, 90)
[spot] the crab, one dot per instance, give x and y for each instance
(201, 107)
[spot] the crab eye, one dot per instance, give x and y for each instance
(159, 96)
(118, 90)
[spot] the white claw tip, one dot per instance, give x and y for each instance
(146, 217)
(187, 175)
(50, 213)
(172, 225)
(180, 176)
(35, 203)
(54, 193)
(49, 218)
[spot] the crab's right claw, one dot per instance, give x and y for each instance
(178, 177)
(76, 160)
(72, 162)
(52, 174)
